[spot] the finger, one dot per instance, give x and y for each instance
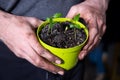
(50, 57)
(34, 21)
(93, 31)
(100, 33)
(30, 55)
(40, 62)
(71, 13)
(103, 30)
(95, 43)
(101, 26)
(43, 52)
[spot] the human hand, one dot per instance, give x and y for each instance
(95, 17)
(18, 33)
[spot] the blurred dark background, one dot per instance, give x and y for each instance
(113, 15)
(111, 47)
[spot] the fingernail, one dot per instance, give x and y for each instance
(58, 61)
(54, 72)
(61, 72)
(81, 56)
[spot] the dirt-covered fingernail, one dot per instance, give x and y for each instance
(58, 61)
(61, 72)
(82, 56)
(54, 72)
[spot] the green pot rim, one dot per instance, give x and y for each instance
(63, 20)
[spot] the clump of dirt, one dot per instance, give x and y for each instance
(62, 36)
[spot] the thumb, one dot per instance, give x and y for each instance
(71, 14)
(34, 21)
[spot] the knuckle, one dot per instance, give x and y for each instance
(37, 62)
(40, 63)
(91, 40)
(46, 55)
(19, 55)
(74, 7)
(30, 35)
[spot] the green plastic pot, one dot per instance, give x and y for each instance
(68, 55)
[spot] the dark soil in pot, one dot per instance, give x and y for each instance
(62, 36)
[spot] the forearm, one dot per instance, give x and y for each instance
(100, 4)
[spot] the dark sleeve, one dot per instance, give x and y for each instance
(8, 5)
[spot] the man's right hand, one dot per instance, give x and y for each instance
(18, 33)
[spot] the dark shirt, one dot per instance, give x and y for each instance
(14, 68)
(37, 8)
